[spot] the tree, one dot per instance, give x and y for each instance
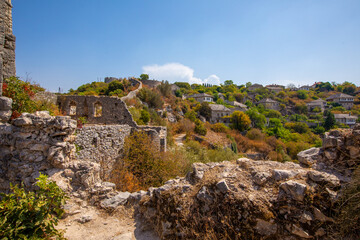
(205, 110)
(329, 121)
(273, 114)
(228, 82)
(302, 94)
(165, 88)
(144, 77)
(257, 119)
(113, 86)
(240, 121)
(183, 85)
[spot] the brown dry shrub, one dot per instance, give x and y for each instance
(274, 156)
(183, 126)
(255, 134)
(143, 165)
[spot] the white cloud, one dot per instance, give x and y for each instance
(177, 72)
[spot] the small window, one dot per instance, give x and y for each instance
(72, 111)
(97, 109)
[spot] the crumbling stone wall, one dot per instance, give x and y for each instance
(114, 112)
(113, 109)
(34, 143)
(7, 42)
(38, 142)
(101, 144)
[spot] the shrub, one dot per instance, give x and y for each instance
(151, 97)
(302, 94)
(144, 116)
(184, 125)
(32, 215)
(255, 134)
(22, 94)
(299, 127)
(200, 128)
(142, 165)
(219, 127)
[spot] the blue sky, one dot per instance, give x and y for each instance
(68, 43)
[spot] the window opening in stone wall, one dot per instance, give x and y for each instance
(72, 109)
(97, 109)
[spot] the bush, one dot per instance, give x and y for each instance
(200, 128)
(255, 134)
(184, 125)
(151, 97)
(32, 215)
(22, 94)
(144, 116)
(142, 165)
(219, 127)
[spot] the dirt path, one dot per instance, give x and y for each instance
(90, 223)
(179, 139)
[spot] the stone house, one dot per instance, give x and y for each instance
(254, 87)
(275, 88)
(344, 100)
(269, 103)
(346, 119)
(218, 112)
(202, 97)
(305, 87)
(238, 106)
(319, 103)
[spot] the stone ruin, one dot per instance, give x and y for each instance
(258, 199)
(7, 42)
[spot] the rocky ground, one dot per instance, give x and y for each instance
(83, 221)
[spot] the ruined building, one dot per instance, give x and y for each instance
(7, 42)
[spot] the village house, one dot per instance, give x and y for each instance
(202, 97)
(344, 100)
(305, 87)
(316, 104)
(275, 88)
(346, 119)
(218, 112)
(237, 106)
(254, 87)
(268, 103)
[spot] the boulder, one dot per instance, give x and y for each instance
(5, 103)
(280, 174)
(309, 156)
(294, 189)
(113, 202)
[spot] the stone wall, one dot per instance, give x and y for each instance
(114, 114)
(34, 143)
(7, 42)
(113, 110)
(38, 142)
(101, 144)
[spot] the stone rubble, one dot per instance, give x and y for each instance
(257, 199)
